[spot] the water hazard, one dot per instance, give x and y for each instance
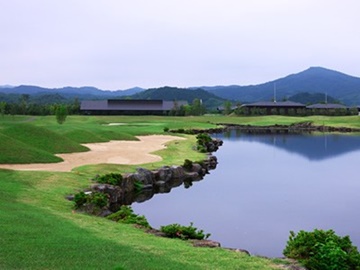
(266, 185)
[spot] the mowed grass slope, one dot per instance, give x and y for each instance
(39, 230)
(38, 139)
(26, 143)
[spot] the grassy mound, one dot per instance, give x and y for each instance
(16, 152)
(43, 139)
(26, 143)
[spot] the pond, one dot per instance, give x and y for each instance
(267, 185)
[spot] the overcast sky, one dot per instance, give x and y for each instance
(118, 44)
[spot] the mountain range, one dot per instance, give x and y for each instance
(340, 86)
(309, 86)
(86, 92)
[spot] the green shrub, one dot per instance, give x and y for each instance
(127, 215)
(110, 178)
(202, 140)
(80, 199)
(188, 164)
(166, 129)
(183, 232)
(323, 250)
(96, 199)
(201, 149)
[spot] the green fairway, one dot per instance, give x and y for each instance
(39, 229)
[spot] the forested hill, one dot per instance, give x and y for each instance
(67, 92)
(306, 86)
(342, 87)
(307, 98)
(210, 100)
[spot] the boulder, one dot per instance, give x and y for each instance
(175, 182)
(115, 192)
(145, 177)
(193, 176)
(144, 196)
(205, 243)
(70, 197)
(165, 173)
(197, 168)
(177, 171)
(105, 213)
(128, 183)
(239, 250)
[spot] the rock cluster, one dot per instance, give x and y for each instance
(213, 145)
(143, 184)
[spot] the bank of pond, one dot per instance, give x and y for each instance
(265, 185)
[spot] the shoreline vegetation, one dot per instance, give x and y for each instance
(39, 228)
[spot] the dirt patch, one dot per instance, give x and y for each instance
(113, 152)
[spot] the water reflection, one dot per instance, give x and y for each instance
(320, 146)
(266, 185)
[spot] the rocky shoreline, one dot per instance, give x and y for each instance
(143, 184)
(162, 180)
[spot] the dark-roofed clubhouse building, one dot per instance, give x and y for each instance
(271, 107)
(129, 107)
(326, 106)
(294, 108)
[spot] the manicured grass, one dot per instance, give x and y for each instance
(39, 230)
(336, 121)
(14, 151)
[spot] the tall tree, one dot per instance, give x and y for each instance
(227, 107)
(61, 113)
(75, 106)
(24, 99)
(2, 108)
(197, 107)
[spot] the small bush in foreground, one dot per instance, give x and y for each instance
(110, 178)
(183, 232)
(188, 164)
(97, 199)
(80, 199)
(323, 250)
(202, 140)
(127, 215)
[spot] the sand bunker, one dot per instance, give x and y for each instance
(115, 152)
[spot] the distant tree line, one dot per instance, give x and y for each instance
(195, 108)
(23, 106)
